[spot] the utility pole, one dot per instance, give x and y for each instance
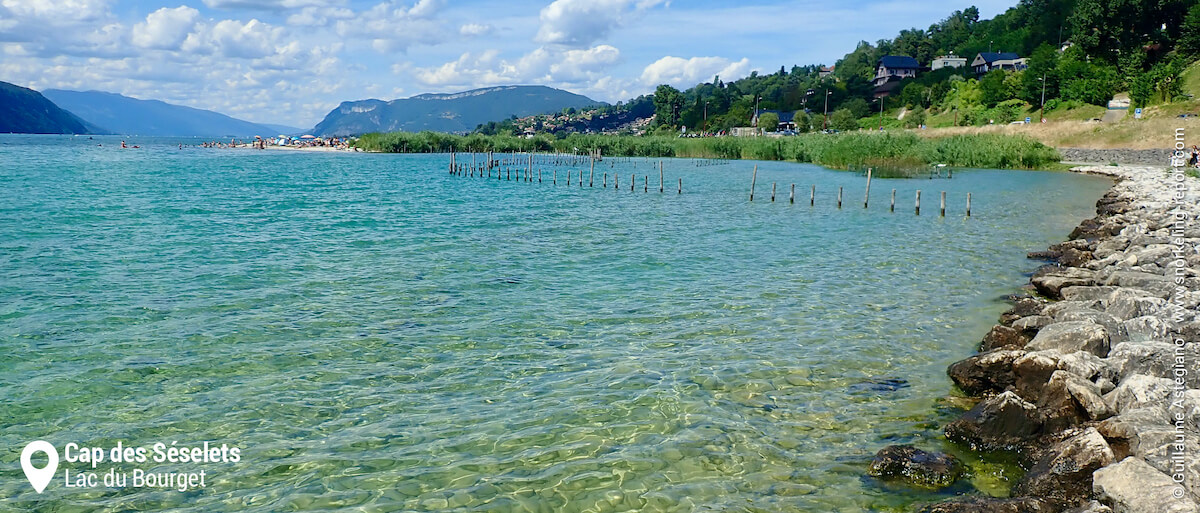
(881, 100)
(825, 122)
(705, 129)
(759, 128)
(1043, 115)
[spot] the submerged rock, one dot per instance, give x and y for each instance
(1051, 282)
(1004, 421)
(989, 505)
(932, 470)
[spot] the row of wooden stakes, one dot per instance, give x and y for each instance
(812, 199)
(527, 174)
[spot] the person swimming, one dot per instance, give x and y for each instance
(123, 144)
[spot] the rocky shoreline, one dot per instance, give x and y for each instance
(1093, 379)
(1127, 157)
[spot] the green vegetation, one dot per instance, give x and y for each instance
(897, 151)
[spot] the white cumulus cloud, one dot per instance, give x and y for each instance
(580, 23)
(165, 28)
(475, 29)
(681, 72)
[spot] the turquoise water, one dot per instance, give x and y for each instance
(376, 335)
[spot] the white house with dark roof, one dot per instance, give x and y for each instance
(988, 61)
(895, 67)
(948, 61)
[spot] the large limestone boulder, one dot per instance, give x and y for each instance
(1133, 486)
(1071, 336)
(1003, 336)
(1083, 293)
(1051, 282)
(990, 371)
(1152, 359)
(1137, 391)
(1004, 421)
(1063, 473)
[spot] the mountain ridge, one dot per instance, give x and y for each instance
(126, 115)
(25, 111)
(447, 112)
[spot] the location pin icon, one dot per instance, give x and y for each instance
(39, 477)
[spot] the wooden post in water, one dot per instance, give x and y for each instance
(539, 175)
(616, 182)
(605, 183)
(839, 197)
(867, 196)
(681, 186)
(632, 181)
(968, 204)
(812, 197)
(893, 208)
(792, 195)
(592, 175)
(660, 177)
(943, 203)
(555, 177)
(772, 192)
(918, 201)
(753, 178)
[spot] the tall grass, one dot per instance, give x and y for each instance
(856, 149)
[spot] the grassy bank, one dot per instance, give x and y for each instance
(890, 149)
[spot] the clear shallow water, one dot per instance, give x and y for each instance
(378, 336)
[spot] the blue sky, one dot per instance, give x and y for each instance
(291, 61)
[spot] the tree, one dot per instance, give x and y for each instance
(668, 106)
(1042, 64)
(803, 121)
(843, 119)
(915, 118)
(1189, 40)
(857, 106)
(768, 121)
(991, 88)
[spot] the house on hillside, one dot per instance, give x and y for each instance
(988, 61)
(895, 67)
(825, 71)
(787, 120)
(948, 61)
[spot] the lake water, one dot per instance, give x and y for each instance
(376, 335)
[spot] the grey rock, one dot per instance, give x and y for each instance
(990, 371)
(1059, 308)
(1068, 400)
(1091, 507)
(1063, 473)
(1032, 323)
(1051, 283)
(1133, 486)
(1153, 283)
(1110, 323)
(1071, 336)
(1137, 391)
(1126, 304)
(1003, 336)
(1151, 358)
(1004, 421)
(1146, 328)
(1086, 293)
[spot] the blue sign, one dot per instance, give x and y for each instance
(1028, 120)
(1137, 113)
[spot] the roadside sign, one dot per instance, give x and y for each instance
(1137, 113)
(1028, 120)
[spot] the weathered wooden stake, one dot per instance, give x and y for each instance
(753, 178)
(681, 186)
(867, 196)
(839, 197)
(555, 178)
(539, 175)
(592, 175)
(893, 208)
(792, 195)
(772, 192)
(918, 201)
(645, 183)
(812, 197)
(605, 183)
(968, 204)
(660, 176)
(943, 203)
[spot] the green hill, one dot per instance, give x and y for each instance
(25, 111)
